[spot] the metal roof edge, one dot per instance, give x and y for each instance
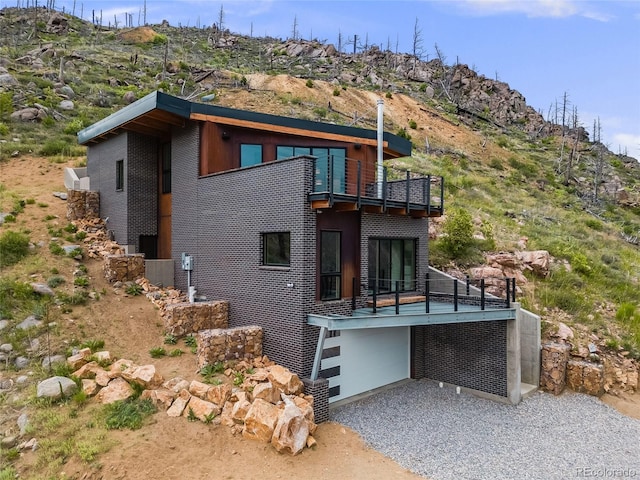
(152, 101)
(184, 108)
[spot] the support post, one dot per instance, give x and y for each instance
(375, 295)
(508, 295)
(318, 358)
(353, 293)
(455, 295)
(397, 297)
(427, 287)
(482, 294)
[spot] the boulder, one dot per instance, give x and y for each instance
(66, 105)
(199, 389)
(564, 332)
(267, 392)
(161, 398)
(292, 429)
(56, 388)
(43, 289)
(7, 80)
(52, 360)
(119, 366)
(145, 376)
(239, 411)
(179, 404)
(29, 322)
(118, 389)
(202, 410)
(537, 261)
(90, 387)
(287, 381)
(79, 359)
(176, 384)
(219, 394)
(129, 97)
(261, 421)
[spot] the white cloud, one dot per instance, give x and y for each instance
(534, 8)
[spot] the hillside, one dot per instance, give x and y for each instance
(526, 183)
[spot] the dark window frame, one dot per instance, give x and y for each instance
(386, 283)
(268, 256)
(119, 175)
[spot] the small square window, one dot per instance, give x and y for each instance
(120, 175)
(276, 249)
(250, 155)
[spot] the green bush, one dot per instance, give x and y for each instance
(336, 93)
(55, 147)
(55, 281)
(74, 126)
(14, 246)
(458, 230)
(128, 414)
(412, 124)
(309, 83)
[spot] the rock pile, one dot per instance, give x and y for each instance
(265, 403)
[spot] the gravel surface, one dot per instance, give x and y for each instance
(438, 434)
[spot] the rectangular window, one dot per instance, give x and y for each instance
(120, 175)
(330, 266)
(276, 249)
(337, 157)
(165, 151)
(250, 155)
(392, 264)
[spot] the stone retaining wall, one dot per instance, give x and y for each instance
(123, 268)
(181, 319)
(220, 345)
(585, 377)
(554, 367)
(82, 204)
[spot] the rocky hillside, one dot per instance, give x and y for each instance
(527, 183)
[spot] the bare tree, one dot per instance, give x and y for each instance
(295, 34)
(565, 104)
(597, 175)
(416, 44)
(221, 18)
(574, 155)
(144, 12)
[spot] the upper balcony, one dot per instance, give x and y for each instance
(342, 184)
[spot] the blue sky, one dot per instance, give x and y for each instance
(542, 48)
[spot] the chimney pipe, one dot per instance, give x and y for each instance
(379, 174)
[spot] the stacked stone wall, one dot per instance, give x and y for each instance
(82, 204)
(123, 268)
(221, 345)
(181, 319)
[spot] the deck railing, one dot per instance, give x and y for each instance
(482, 292)
(339, 176)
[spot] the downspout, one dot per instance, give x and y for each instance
(380, 170)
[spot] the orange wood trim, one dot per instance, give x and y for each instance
(320, 204)
(288, 130)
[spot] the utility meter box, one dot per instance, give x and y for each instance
(187, 262)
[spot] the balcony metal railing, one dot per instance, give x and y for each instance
(492, 293)
(343, 179)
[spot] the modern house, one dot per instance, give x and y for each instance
(304, 230)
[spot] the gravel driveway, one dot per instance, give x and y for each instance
(438, 434)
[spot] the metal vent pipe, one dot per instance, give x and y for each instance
(380, 169)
